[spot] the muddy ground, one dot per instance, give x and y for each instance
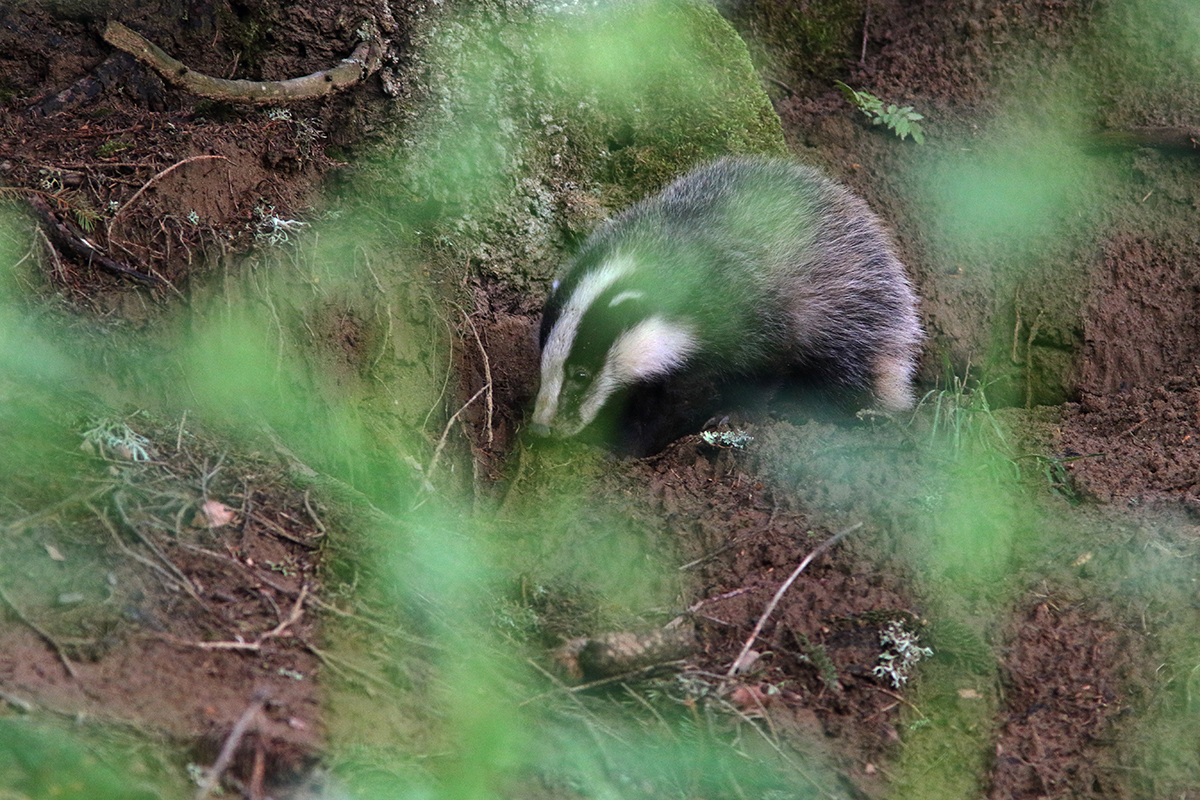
(1035, 523)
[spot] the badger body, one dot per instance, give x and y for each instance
(743, 271)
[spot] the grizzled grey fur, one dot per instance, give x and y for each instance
(745, 271)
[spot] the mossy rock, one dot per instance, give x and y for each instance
(540, 122)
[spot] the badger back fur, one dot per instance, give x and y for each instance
(744, 269)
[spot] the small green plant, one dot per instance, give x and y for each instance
(85, 217)
(281, 568)
(112, 147)
(902, 121)
(962, 417)
(1054, 470)
(818, 656)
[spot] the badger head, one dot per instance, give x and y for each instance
(601, 334)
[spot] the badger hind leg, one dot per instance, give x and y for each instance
(893, 382)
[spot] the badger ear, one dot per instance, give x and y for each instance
(651, 349)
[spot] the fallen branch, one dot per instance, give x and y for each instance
(1177, 139)
(114, 68)
(739, 662)
(68, 238)
(364, 61)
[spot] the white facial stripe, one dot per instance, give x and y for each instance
(623, 296)
(650, 349)
(562, 335)
(601, 389)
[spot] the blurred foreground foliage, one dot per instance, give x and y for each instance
(461, 711)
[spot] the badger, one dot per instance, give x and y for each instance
(745, 272)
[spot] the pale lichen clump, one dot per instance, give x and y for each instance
(900, 653)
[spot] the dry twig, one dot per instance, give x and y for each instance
(138, 557)
(348, 671)
(487, 372)
(154, 180)
(176, 573)
(791, 92)
(83, 498)
(632, 676)
(19, 703)
(308, 507)
(739, 662)
(43, 635)
(293, 617)
(773, 741)
(245, 570)
(694, 607)
(899, 698)
(250, 715)
(437, 451)
(279, 530)
(571, 691)
(70, 238)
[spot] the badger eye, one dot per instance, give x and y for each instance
(579, 374)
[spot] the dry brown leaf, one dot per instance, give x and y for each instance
(214, 514)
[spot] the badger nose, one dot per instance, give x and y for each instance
(539, 430)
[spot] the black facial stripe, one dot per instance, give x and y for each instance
(604, 322)
(550, 314)
(583, 263)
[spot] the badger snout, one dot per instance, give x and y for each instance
(540, 430)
